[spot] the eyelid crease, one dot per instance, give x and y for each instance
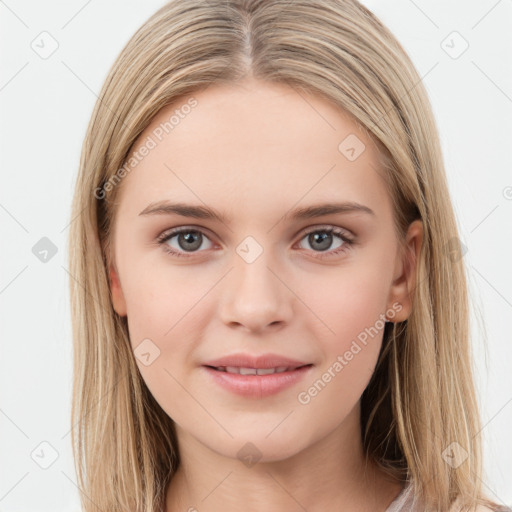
(305, 231)
(345, 235)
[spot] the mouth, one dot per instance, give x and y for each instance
(256, 383)
(240, 370)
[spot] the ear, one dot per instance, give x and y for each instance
(117, 293)
(404, 279)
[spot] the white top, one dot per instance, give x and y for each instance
(406, 502)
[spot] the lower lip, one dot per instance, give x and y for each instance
(257, 386)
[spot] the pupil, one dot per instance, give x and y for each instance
(192, 239)
(315, 237)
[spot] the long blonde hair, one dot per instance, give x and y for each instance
(421, 398)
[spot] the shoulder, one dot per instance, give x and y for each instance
(482, 508)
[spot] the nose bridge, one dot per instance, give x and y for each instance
(255, 297)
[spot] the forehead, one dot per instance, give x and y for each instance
(253, 146)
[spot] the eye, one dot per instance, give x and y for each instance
(321, 240)
(187, 240)
(191, 240)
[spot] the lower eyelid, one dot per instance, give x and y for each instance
(342, 235)
(345, 246)
(164, 238)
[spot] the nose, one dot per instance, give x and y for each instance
(255, 297)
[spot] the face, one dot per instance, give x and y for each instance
(267, 273)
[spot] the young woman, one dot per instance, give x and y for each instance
(269, 306)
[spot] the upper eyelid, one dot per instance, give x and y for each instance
(326, 227)
(170, 233)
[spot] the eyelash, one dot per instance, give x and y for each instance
(347, 242)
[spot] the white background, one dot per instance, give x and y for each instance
(45, 107)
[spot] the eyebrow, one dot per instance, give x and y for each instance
(203, 212)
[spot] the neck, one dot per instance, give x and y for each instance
(331, 473)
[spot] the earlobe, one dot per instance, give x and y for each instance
(118, 300)
(402, 288)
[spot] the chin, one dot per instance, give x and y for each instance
(256, 447)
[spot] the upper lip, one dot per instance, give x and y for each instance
(260, 361)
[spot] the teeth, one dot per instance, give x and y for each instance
(247, 371)
(265, 371)
(253, 371)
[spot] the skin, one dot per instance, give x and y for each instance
(255, 151)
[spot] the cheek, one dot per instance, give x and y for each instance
(352, 305)
(359, 316)
(166, 313)
(161, 300)
(355, 315)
